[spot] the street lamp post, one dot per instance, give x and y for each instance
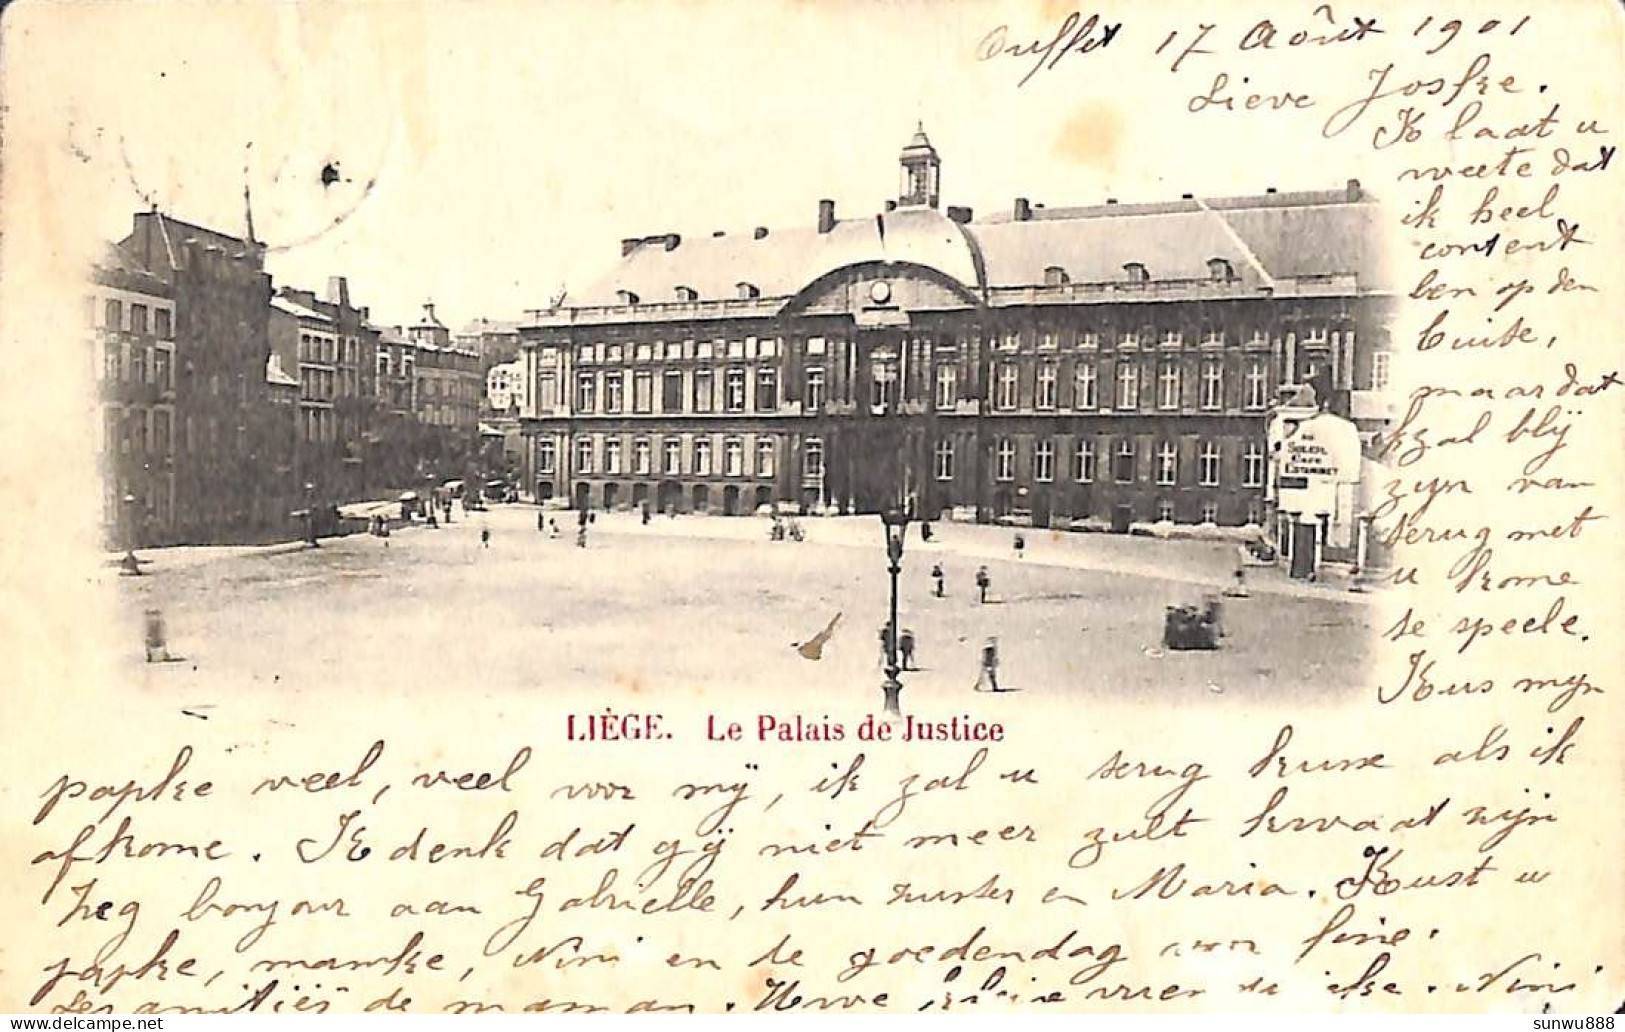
(310, 515)
(895, 522)
(131, 564)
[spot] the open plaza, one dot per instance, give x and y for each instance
(689, 604)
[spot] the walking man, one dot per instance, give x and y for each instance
(936, 574)
(983, 581)
(541, 520)
(581, 536)
(1021, 545)
(485, 537)
(905, 648)
(157, 638)
(989, 674)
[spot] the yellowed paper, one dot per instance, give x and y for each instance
(430, 773)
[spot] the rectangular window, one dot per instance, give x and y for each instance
(1123, 461)
(1006, 396)
(1044, 460)
(767, 389)
(1046, 385)
(1168, 386)
(643, 390)
(1086, 381)
(671, 456)
(815, 345)
(734, 389)
(733, 457)
(643, 352)
(612, 392)
(1083, 470)
(812, 459)
(1005, 467)
(944, 459)
(1257, 384)
(161, 431)
(545, 457)
(1165, 511)
(1128, 385)
(1167, 463)
(1210, 512)
(113, 316)
(584, 455)
(702, 456)
(1252, 465)
(383, 365)
(702, 390)
(615, 353)
(947, 386)
(1207, 464)
(164, 330)
(585, 391)
(641, 456)
(814, 394)
(1212, 384)
(764, 457)
(163, 373)
(138, 318)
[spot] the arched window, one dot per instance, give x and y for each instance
(687, 294)
(1055, 276)
(1136, 272)
(627, 297)
(1221, 269)
(748, 291)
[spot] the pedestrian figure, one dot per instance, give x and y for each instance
(990, 666)
(905, 648)
(581, 536)
(156, 637)
(1240, 588)
(485, 537)
(925, 531)
(434, 524)
(885, 643)
(553, 528)
(983, 581)
(383, 531)
(541, 521)
(1021, 545)
(936, 574)
(592, 516)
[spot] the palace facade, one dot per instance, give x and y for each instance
(1114, 363)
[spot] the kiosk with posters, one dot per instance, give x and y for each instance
(1316, 465)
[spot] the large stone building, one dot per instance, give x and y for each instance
(332, 347)
(1114, 362)
(130, 314)
(223, 443)
(447, 395)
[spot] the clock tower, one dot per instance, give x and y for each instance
(922, 173)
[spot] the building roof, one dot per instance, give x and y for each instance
(275, 374)
(1263, 238)
(117, 262)
(781, 263)
(482, 326)
(293, 308)
(392, 335)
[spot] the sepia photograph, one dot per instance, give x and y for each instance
(989, 507)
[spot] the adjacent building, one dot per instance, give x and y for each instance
(130, 315)
(334, 352)
(217, 436)
(1114, 363)
(448, 393)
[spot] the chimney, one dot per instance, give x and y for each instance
(826, 215)
(760, 233)
(959, 214)
(1352, 190)
(338, 291)
(671, 241)
(628, 245)
(1024, 210)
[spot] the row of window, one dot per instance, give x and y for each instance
(113, 317)
(321, 347)
(1042, 337)
(671, 457)
(1086, 467)
(734, 380)
(127, 363)
(132, 429)
(385, 366)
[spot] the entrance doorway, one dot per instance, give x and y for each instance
(671, 496)
(730, 500)
(583, 496)
(702, 498)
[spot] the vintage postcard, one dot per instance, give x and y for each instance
(949, 508)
